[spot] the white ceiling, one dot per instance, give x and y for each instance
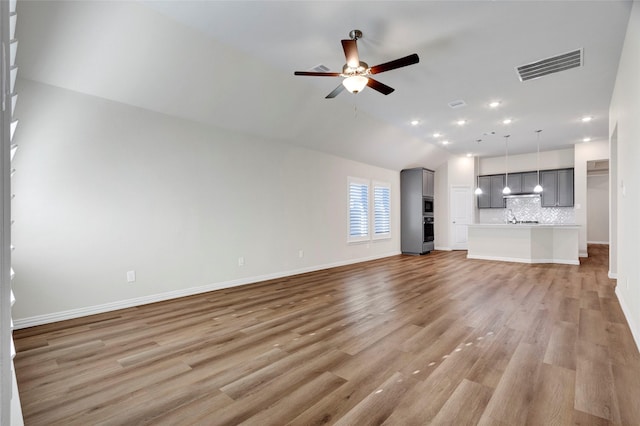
(231, 64)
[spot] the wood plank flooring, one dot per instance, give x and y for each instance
(406, 340)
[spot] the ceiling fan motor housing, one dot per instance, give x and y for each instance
(362, 69)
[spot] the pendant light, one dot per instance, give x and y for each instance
(506, 190)
(478, 190)
(538, 188)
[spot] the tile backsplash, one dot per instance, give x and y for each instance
(529, 209)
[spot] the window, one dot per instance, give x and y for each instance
(360, 215)
(381, 210)
(358, 210)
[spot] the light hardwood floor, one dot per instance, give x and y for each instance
(436, 339)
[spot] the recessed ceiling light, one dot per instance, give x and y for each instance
(494, 104)
(469, 154)
(586, 140)
(506, 121)
(415, 122)
(436, 135)
(586, 119)
(445, 142)
(461, 122)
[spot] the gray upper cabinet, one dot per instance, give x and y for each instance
(428, 183)
(496, 198)
(514, 182)
(491, 197)
(549, 182)
(557, 188)
(529, 182)
(484, 199)
(565, 188)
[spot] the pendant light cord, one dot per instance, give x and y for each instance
(538, 156)
(506, 159)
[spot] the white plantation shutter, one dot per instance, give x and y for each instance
(358, 209)
(8, 397)
(381, 210)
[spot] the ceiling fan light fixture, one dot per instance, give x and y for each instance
(355, 83)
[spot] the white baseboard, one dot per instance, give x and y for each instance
(635, 330)
(612, 275)
(443, 248)
(598, 242)
(138, 301)
(583, 254)
(522, 260)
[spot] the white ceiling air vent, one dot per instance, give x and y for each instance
(550, 65)
(457, 104)
(320, 68)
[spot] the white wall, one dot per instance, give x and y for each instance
(458, 171)
(103, 188)
(557, 159)
(585, 152)
(441, 208)
(623, 115)
(598, 209)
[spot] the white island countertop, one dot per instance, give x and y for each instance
(525, 225)
(524, 242)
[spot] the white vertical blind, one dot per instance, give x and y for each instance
(381, 210)
(358, 209)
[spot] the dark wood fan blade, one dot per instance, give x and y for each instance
(317, 74)
(351, 53)
(398, 63)
(335, 92)
(380, 87)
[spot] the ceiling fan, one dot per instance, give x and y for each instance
(357, 73)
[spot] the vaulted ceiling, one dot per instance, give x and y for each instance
(230, 64)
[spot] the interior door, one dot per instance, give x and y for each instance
(461, 212)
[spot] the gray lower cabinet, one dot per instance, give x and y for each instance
(557, 188)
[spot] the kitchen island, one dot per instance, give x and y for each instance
(526, 243)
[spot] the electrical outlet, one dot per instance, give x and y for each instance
(300, 254)
(131, 276)
(241, 261)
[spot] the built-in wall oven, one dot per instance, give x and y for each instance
(427, 206)
(428, 229)
(427, 234)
